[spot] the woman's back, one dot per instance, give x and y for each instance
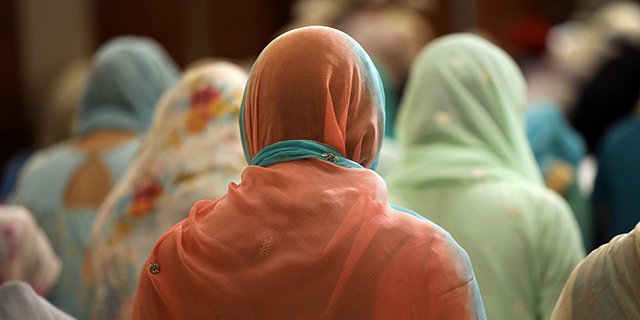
(46, 188)
(510, 232)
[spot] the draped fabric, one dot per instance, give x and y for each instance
(308, 236)
(64, 184)
(606, 284)
(191, 152)
(127, 76)
(559, 150)
(468, 167)
(25, 252)
(317, 89)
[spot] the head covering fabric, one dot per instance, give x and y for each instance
(126, 79)
(606, 284)
(127, 76)
(463, 110)
(191, 152)
(18, 301)
(609, 96)
(307, 237)
(468, 167)
(25, 252)
(319, 88)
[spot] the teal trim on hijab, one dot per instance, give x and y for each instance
(127, 77)
(301, 149)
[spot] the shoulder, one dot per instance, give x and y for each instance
(620, 134)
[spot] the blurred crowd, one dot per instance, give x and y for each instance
(366, 169)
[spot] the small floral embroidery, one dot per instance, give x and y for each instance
(330, 157)
(154, 267)
(266, 247)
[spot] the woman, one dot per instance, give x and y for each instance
(559, 150)
(308, 234)
(63, 185)
(192, 152)
(615, 194)
(25, 252)
(469, 168)
(606, 284)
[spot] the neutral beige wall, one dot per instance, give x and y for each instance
(51, 34)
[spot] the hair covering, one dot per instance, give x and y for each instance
(611, 95)
(468, 167)
(25, 252)
(311, 238)
(615, 193)
(63, 185)
(127, 76)
(329, 82)
(606, 285)
(463, 113)
(18, 301)
(198, 116)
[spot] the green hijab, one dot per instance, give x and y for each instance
(463, 117)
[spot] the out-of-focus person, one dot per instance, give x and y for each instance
(25, 252)
(64, 184)
(559, 151)
(606, 284)
(615, 193)
(469, 168)
(191, 152)
(308, 234)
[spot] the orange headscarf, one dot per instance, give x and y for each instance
(315, 84)
(308, 239)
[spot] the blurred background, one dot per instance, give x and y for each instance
(46, 45)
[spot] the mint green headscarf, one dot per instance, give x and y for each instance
(462, 117)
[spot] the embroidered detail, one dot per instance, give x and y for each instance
(515, 214)
(330, 157)
(480, 173)
(266, 247)
(154, 267)
(443, 118)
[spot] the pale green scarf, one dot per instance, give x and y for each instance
(462, 117)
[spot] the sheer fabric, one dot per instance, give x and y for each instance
(308, 238)
(469, 168)
(192, 152)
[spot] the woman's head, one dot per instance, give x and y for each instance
(317, 84)
(464, 91)
(197, 116)
(127, 77)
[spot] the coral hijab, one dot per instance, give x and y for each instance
(308, 237)
(315, 84)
